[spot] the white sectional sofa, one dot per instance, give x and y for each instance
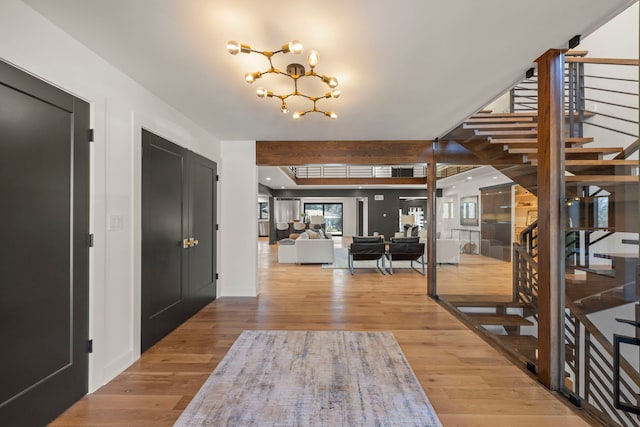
(447, 251)
(306, 251)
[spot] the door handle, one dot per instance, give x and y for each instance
(189, 243)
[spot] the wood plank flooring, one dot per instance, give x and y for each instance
(468, 382)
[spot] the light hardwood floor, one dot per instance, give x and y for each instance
(468, 382)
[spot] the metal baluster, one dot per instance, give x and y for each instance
(571, 98)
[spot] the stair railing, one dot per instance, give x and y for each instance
(577, 244)
(525, 268)
(591, 368)
(587, 81)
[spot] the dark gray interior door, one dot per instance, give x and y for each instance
(178, 236)
(44, 258)
(202, 220)
(164, 226)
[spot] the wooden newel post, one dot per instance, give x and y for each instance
(550, 214)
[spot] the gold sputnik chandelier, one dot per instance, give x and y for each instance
(294, 71)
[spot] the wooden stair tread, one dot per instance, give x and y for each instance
(523, 340)
(499, 119)
(467, 125)
(602, 302)
(604, 270)
(506, 132)
(571, 150)
(568, 140)
(526, 345)
(601, 179)
(609, 61)
(498, 319)
(613, 162)
(480, 115)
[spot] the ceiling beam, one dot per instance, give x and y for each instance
(299, 153)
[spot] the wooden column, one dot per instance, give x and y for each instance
(431, 227)
(550, 214)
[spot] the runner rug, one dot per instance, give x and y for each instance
(311, 378)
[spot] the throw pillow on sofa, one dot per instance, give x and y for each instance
(313, 234)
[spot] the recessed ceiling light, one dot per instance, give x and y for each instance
(495, 177)
(359, 188)
(282, 187)
(469, 177)
(268, 179)
(453, 186)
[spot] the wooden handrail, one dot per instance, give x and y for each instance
(632, 148)
(611, 61)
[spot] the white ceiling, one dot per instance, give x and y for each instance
(408, 69)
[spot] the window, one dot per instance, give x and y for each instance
(447, 210)
(332, 213)
(263, 210)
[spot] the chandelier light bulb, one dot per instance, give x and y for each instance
(313, 57)
(233, 47)
(330, 81)
(331, 115)
(261, 92)
(298, 114)
(295, 46)
(252, 77)
(335, 93)
(284, 108)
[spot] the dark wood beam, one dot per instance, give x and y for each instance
(550, 213)
(296, 153)
(360, 181)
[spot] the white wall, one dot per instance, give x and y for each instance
(239, 228)
(119, 108)
(616, 39)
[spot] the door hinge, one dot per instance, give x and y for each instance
(91, 135)
(90, 240)
(90, 346)
(217, 177)
(217, 276)
(217, 227)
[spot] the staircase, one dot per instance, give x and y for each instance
(596, 280)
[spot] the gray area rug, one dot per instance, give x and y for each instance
(311, 378)
(341, 260)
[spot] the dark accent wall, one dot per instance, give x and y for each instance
(382, 214)
(264, 190)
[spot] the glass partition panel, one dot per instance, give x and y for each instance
(477, 219)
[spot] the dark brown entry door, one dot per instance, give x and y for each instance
(178, 236)
(44, 255)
